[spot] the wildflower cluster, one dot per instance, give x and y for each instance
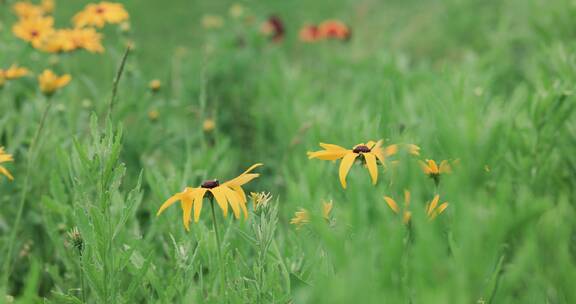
(36, 26)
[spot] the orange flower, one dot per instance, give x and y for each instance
(309, 33)
(34, 30)
(13, 72)
(334, 29)
(99, 14)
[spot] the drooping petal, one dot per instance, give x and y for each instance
(187, 211)
(240, 193)
(377, 151)
(198, 201)
(233, 199)
(244, 209)
(425, 167)
(176, 197)
(5, 172)
(372, 167)
(220, 197)
(345, 166)
(442, 207)
(392, 204)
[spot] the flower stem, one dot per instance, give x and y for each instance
(30, 158)
(218, 245)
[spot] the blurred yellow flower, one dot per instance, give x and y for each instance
(13, 72)
(433, 209)
(208, 125)
(413, 149)
(34, 30)
(368, 153)
(4, 157)
(301, 217)
(50, 82)
(434, 171)
(155, 85)
(68, 40)
(212, 21)
(47, 6)
(25, 10)
(99, 14)
(260, 199)
(406, 214)
(228, 193)
(153, 115)
(236, 10)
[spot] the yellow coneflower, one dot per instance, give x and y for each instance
(228, 193)
(34, 30)
(4, 157)
(301, 217)
(434, 171)
(368, 153)
(98, 14)
(155, 85)
(406, 213)
(13, 72)
(433, 209)
(212, 22)
(208, 125)
(50, 82)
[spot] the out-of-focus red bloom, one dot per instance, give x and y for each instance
(274, 28)
(334, 29)
(309, 33)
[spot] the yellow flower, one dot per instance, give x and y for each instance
(368, 153)
(99, 14)
(47, 6)
(155, 85)
(34, 30)
(326, 209)
(13, 72)
(413, 149)
(68, 40)
(434, 171)
(4, 157)
(26, 10)
(208, 125)
(212, 22)
(301, 217)
(260, 199)
(433, 209)
(228, 193)
(50, 82)
(406, 213)
(236, 10)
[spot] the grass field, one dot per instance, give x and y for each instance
(488, 86)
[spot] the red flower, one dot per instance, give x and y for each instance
(309, 33)
(334, 29)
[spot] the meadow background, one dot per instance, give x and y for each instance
(488, 83)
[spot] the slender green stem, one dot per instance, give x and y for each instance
(82, 279)
(219, 245)
(116, 81)
(30, 158)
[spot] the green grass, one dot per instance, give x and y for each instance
(490, 83)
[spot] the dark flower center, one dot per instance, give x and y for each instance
(100, 10)
(34, 33)
(361, 149)
(209, 184)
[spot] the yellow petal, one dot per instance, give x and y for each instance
(345, 166)
(244, 210)
(372, 167)
(432, 166)
(407, 198)
(244, 177)
(176, 197)
(445, 167)
(198, 201)
(240, 193)
(392, 204)
(433, 204)
(406, 217)
(326, 208)
(220, 197)
(187, 210)
(233, 199)
(377, 150)
(331, 147)
(328, 154)
(390, 150)
(413, 149)
(424, 167)
(5, 172)
(370, 144)
(442, 207)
